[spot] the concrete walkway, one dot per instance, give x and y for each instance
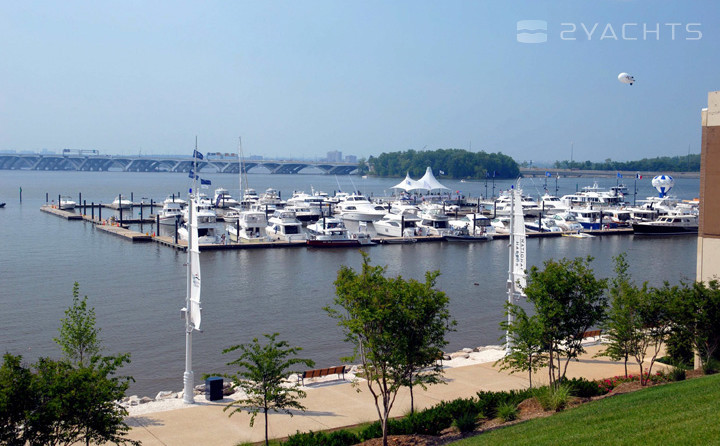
(334, 404)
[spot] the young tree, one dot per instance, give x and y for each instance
(527, 352)
(655, 324)
(78, 404)
(79, 338)
(568, 300)
(424, 319)
(697, 317)
(262, 376)
(397, 329)
(623, 323)
(16, 400)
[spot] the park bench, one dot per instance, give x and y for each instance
(317, 373)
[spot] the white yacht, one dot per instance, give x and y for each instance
(359, 208)
(223, 199)
(550, 204)
(249, 226)
(476, 225)
(271, 199)
(434, 221)
(595, 196)
(330, 232)
(503, 206)
(122, 203)
(567, 221)
(171, 212)
(207, 220)
(284, 225)
(548, 224)
(66, 204)
(404, 224)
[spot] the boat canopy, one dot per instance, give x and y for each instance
(427, 182)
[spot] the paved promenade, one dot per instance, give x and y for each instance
(334, 403)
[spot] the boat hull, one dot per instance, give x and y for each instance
(649, 229)
(345, 243)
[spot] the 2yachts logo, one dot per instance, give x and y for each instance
(536, 31)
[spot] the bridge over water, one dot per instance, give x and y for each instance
(104, 163)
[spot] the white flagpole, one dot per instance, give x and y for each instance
(188, 376)
(511, 269)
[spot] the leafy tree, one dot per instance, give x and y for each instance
(386, 319)
(697, 317)
(78, 404)
(455, 163)
(16, 400)
(623, 321)
(79, 337)
(424, 319)
(655, 310)
(568, 300)
(262, 377)
(527, 352)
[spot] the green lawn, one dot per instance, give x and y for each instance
(683, 413)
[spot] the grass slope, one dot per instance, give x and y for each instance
(680, 413)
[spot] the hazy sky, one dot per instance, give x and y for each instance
(301, 78)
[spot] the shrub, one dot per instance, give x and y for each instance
(466, 422)
(336, 438)
(677, 373)
(711, 367)
(583, 388)
(679, 348)
(507, 412)
(488, 402)
(553, 399)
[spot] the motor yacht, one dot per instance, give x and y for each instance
(567, 221)
(434, 221)
(170, 213)
(670, 224)
(66, 204)
(249, 226)
(475, 224)
(404, 224)
(330, 232)
(358, 208)
(223, 199)
(284, 225)
(122, 203)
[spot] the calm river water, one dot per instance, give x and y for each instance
(138, 289)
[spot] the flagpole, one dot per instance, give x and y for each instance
(189, 376)
(511, 275)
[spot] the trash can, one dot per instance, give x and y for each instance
(214, 388)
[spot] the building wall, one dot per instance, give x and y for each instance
(708, 252)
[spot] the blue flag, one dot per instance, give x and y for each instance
(192, 175)
(619, 175)
(547, 174)
(205, 181)
(197, 155)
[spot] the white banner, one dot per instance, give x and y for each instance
(195, 280)
(518, 230)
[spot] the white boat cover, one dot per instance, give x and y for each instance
(427, 182)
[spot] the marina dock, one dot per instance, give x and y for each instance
(114, 227)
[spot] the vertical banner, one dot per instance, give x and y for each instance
(195, 280)
(518, 230)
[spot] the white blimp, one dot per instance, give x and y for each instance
(626, 78)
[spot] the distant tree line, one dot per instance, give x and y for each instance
(450, 163)
(684, 163)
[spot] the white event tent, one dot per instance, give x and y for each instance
(427, 182)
